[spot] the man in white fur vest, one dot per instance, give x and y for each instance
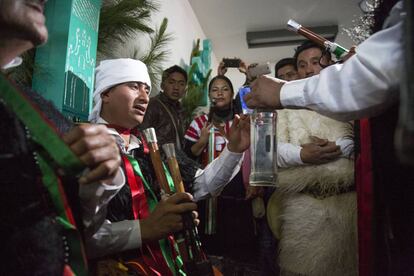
(313, 211)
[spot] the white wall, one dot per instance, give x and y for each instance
(184, 26)
(185, 29)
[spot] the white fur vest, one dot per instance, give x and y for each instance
(317, 234)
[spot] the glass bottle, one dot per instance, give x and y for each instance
(263, 147)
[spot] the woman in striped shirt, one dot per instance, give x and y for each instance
(234, 237)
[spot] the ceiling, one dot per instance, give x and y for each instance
(226, 22)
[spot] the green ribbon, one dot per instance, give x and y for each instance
(340, 51)
(176, 266)
(77, 259)
(44, 134)
(40, 127)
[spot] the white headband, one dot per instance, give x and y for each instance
(112, 72)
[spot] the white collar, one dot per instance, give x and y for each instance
(134, 142)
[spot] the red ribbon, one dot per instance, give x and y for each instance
(143, 141)
(141, 210)
(139, 200)
(364, 187)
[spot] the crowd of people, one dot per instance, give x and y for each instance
(331, 213)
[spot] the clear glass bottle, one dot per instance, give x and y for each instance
(263, 148)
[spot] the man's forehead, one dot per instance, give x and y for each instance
(310, 53)
(219, 83)
(176, 76)
(286, 68)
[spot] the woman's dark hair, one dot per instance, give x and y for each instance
(226, 79)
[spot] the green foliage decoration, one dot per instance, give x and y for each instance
(122, 20)
(198, 77)
(157, 53)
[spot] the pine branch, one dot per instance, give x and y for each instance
(157, 54)
(122, 19)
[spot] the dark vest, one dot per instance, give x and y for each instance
(393, 201)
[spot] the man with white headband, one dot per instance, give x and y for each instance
(121, 98)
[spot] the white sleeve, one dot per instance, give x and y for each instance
(347, 146)
(101, 236)
(364, 86)
(113, 238)
(212, 180)
(95, 197)
(288, 155)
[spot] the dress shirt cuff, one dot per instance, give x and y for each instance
(117, 182)
(292, 94)
(114, 238)
(289, 155)
(134, 236)
(347, 147)
(296, 160)
(217, 174)
(94, 197)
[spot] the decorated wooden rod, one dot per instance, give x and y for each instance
(188, 240)
(155, 156)
(180, 238)
(169, 150)
(336, 49)
(151, 138)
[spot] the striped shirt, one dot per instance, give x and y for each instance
(194, 131)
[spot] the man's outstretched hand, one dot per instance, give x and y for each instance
(239, 136)
(265, 93)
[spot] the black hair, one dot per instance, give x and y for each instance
(174, 69)
(381, 13)
(283, 62)
(219, 77)
(308, 44)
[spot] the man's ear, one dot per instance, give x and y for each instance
(328, 58)
(105, 96)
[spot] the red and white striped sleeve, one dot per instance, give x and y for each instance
(194, 131)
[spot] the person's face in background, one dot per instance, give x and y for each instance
(174, 86)
(308, 62)
(125, 104)
(23, 20)
(221, 93)
(287, 73)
